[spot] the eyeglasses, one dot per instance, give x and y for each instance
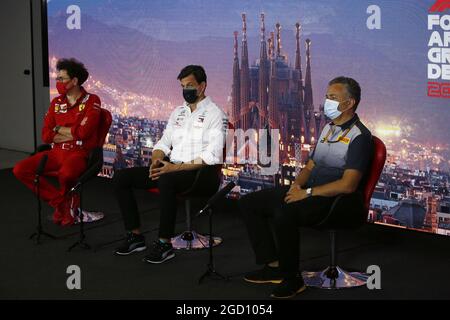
(61, 79)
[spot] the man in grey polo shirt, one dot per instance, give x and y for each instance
(335, 166)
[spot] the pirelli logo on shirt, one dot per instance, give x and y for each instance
(344, 140)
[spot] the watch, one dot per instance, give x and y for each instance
(56, 128)
(309, 192)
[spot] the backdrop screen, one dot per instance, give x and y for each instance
(268, 64)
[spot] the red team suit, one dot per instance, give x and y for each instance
(68, 159)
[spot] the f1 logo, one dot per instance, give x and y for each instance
(440, 6)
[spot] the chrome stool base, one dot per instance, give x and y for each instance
(190, 240)
(334, 278)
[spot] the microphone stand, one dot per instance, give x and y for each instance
(211, 270)
(39, 229)
(80, 243)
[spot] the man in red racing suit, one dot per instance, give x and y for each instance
(70, 125)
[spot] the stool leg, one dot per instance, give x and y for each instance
(333, 248)
(190, 239)
(331, 271)
(81, 241)
(334, 277)
(188, 214)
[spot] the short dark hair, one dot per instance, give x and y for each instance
(353, 88)
(74, 69)
(197, 71)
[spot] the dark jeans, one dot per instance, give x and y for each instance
(263, 208)
(169, 185)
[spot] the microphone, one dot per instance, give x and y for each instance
(75, 187)
(94, 166)
(41, 165)
(86, 175)
(219, 194)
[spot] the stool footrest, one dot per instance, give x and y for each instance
(334, 278)
(190, 240)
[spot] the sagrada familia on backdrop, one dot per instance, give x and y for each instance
(271, 94)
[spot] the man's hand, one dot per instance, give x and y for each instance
(295, 193)
(156, 170)
(155, 164)
(59, 138)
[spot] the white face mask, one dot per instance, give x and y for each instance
(331, 109)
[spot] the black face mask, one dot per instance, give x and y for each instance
(190, 95)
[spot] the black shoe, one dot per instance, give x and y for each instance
(265, 275)
(133, 243)
(289, 288)
(160, 252)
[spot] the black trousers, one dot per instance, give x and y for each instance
(264, 208)
(169, 185)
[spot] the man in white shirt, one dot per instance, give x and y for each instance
(194, 138)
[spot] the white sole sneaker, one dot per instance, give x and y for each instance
(170, 256)
(130, 252)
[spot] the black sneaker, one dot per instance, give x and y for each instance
(289, 288)
(265, 275)
(160, 252)
(133, 243)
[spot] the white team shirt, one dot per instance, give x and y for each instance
(192, 135)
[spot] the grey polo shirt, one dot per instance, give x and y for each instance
(354, 151)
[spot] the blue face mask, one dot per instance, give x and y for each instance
(330, 109)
